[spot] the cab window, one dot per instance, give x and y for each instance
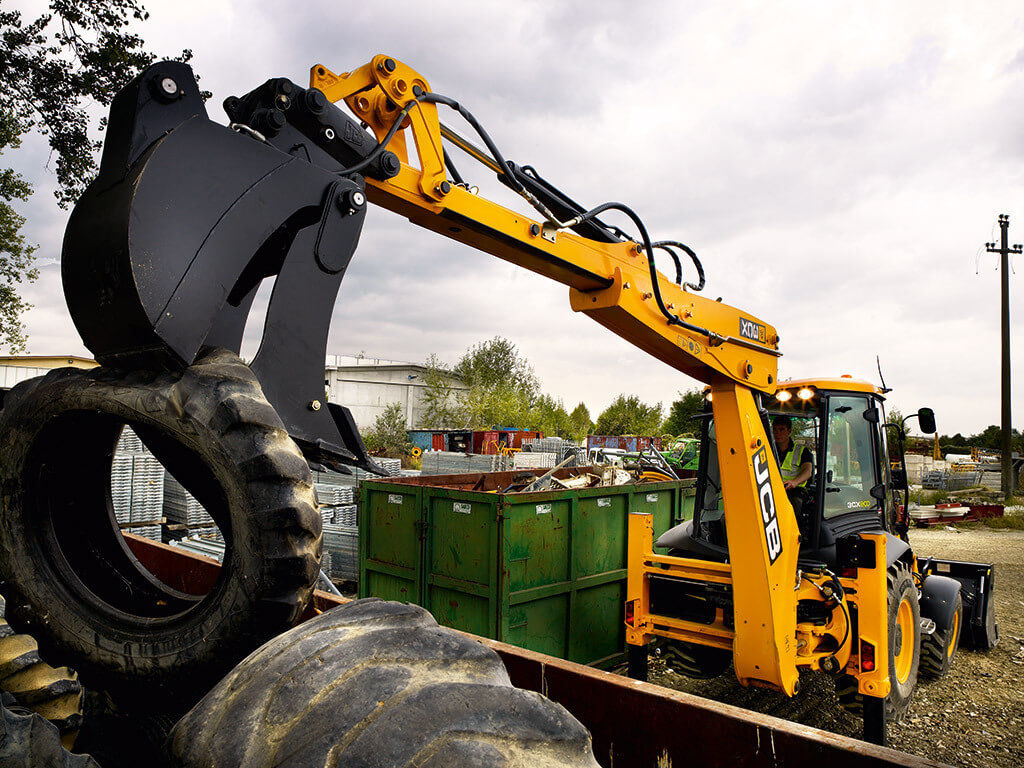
(851, 469)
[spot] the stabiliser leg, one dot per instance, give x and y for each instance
(874, 720)
(636, 662)
(166, 250)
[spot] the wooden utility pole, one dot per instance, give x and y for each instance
(1004, 251)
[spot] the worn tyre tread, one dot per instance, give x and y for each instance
(375, 683)
(216, 409)
(935, 659)
(29, 741)
(695, 661)
(896, 705)
(51, 692)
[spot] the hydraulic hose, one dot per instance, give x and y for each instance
(668, 245)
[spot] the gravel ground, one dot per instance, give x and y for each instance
(973, 717)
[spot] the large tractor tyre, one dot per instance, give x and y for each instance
(904, 649)
(29, 741)
(939, 648)
(73, 578)
(55, 694)
(700, 662)
(375, 683)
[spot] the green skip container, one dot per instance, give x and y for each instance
(544, 571)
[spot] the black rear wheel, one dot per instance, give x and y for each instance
(939, 648)
(700, 662)
(904, 649)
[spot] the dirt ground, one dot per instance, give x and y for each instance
(973, 717)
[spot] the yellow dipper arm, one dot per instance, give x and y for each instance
(611, 282)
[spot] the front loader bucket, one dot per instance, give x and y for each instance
(977, 590)
(165, 251)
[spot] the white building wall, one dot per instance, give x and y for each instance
(366, 390)
(12, 374)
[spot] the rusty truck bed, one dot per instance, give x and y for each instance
(632, 723)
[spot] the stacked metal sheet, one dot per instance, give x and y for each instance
(533, 460)
(341, 547)
(448, 463)
(129, 442)
(333, 495)
(201, 547)
(392, 466)
(121, 488)
(347, 514)
(147, 489)
(563, 449)
(182, 508)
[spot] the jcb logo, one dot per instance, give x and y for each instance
(772, 534)
(753, 331)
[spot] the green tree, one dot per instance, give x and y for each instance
(441, 404)
(16, 256)
(549, 416)
(580, 423)
(388, 436)
(629, 416)
(495, 363)
(680, 414)
(895, 418)
(52, 68)
(501, 404)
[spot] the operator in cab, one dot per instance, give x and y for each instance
(797, 464)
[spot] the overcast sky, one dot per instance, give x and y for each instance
(837, 166)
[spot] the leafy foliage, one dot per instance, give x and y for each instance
(580, 423)
(629, 416)
(52, 69)
(441, 406)
(497, 363)
(387, 436)
(549, 416)
(895, 418)
(16, 256)
(680, 414)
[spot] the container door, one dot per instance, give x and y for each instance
(536, 572)
(461, 556)
(437, 441)
(390, 545)
(596, 629)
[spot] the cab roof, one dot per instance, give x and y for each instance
(843, 383)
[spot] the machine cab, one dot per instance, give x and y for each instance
(836, 426)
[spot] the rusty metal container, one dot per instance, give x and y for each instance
(544, 571)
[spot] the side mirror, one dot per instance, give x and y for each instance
(926, 418)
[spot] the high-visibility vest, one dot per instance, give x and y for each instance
(790, 465)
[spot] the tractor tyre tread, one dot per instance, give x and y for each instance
(376, 683)
(935, 656)
(213, 414)
(51, 692)
(29, 741)
(699, 662)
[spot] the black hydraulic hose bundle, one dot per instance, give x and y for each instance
(517, 186)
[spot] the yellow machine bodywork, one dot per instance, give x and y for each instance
(732, 351)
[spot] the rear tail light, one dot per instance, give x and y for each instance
(867, 656)
(631, 613)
